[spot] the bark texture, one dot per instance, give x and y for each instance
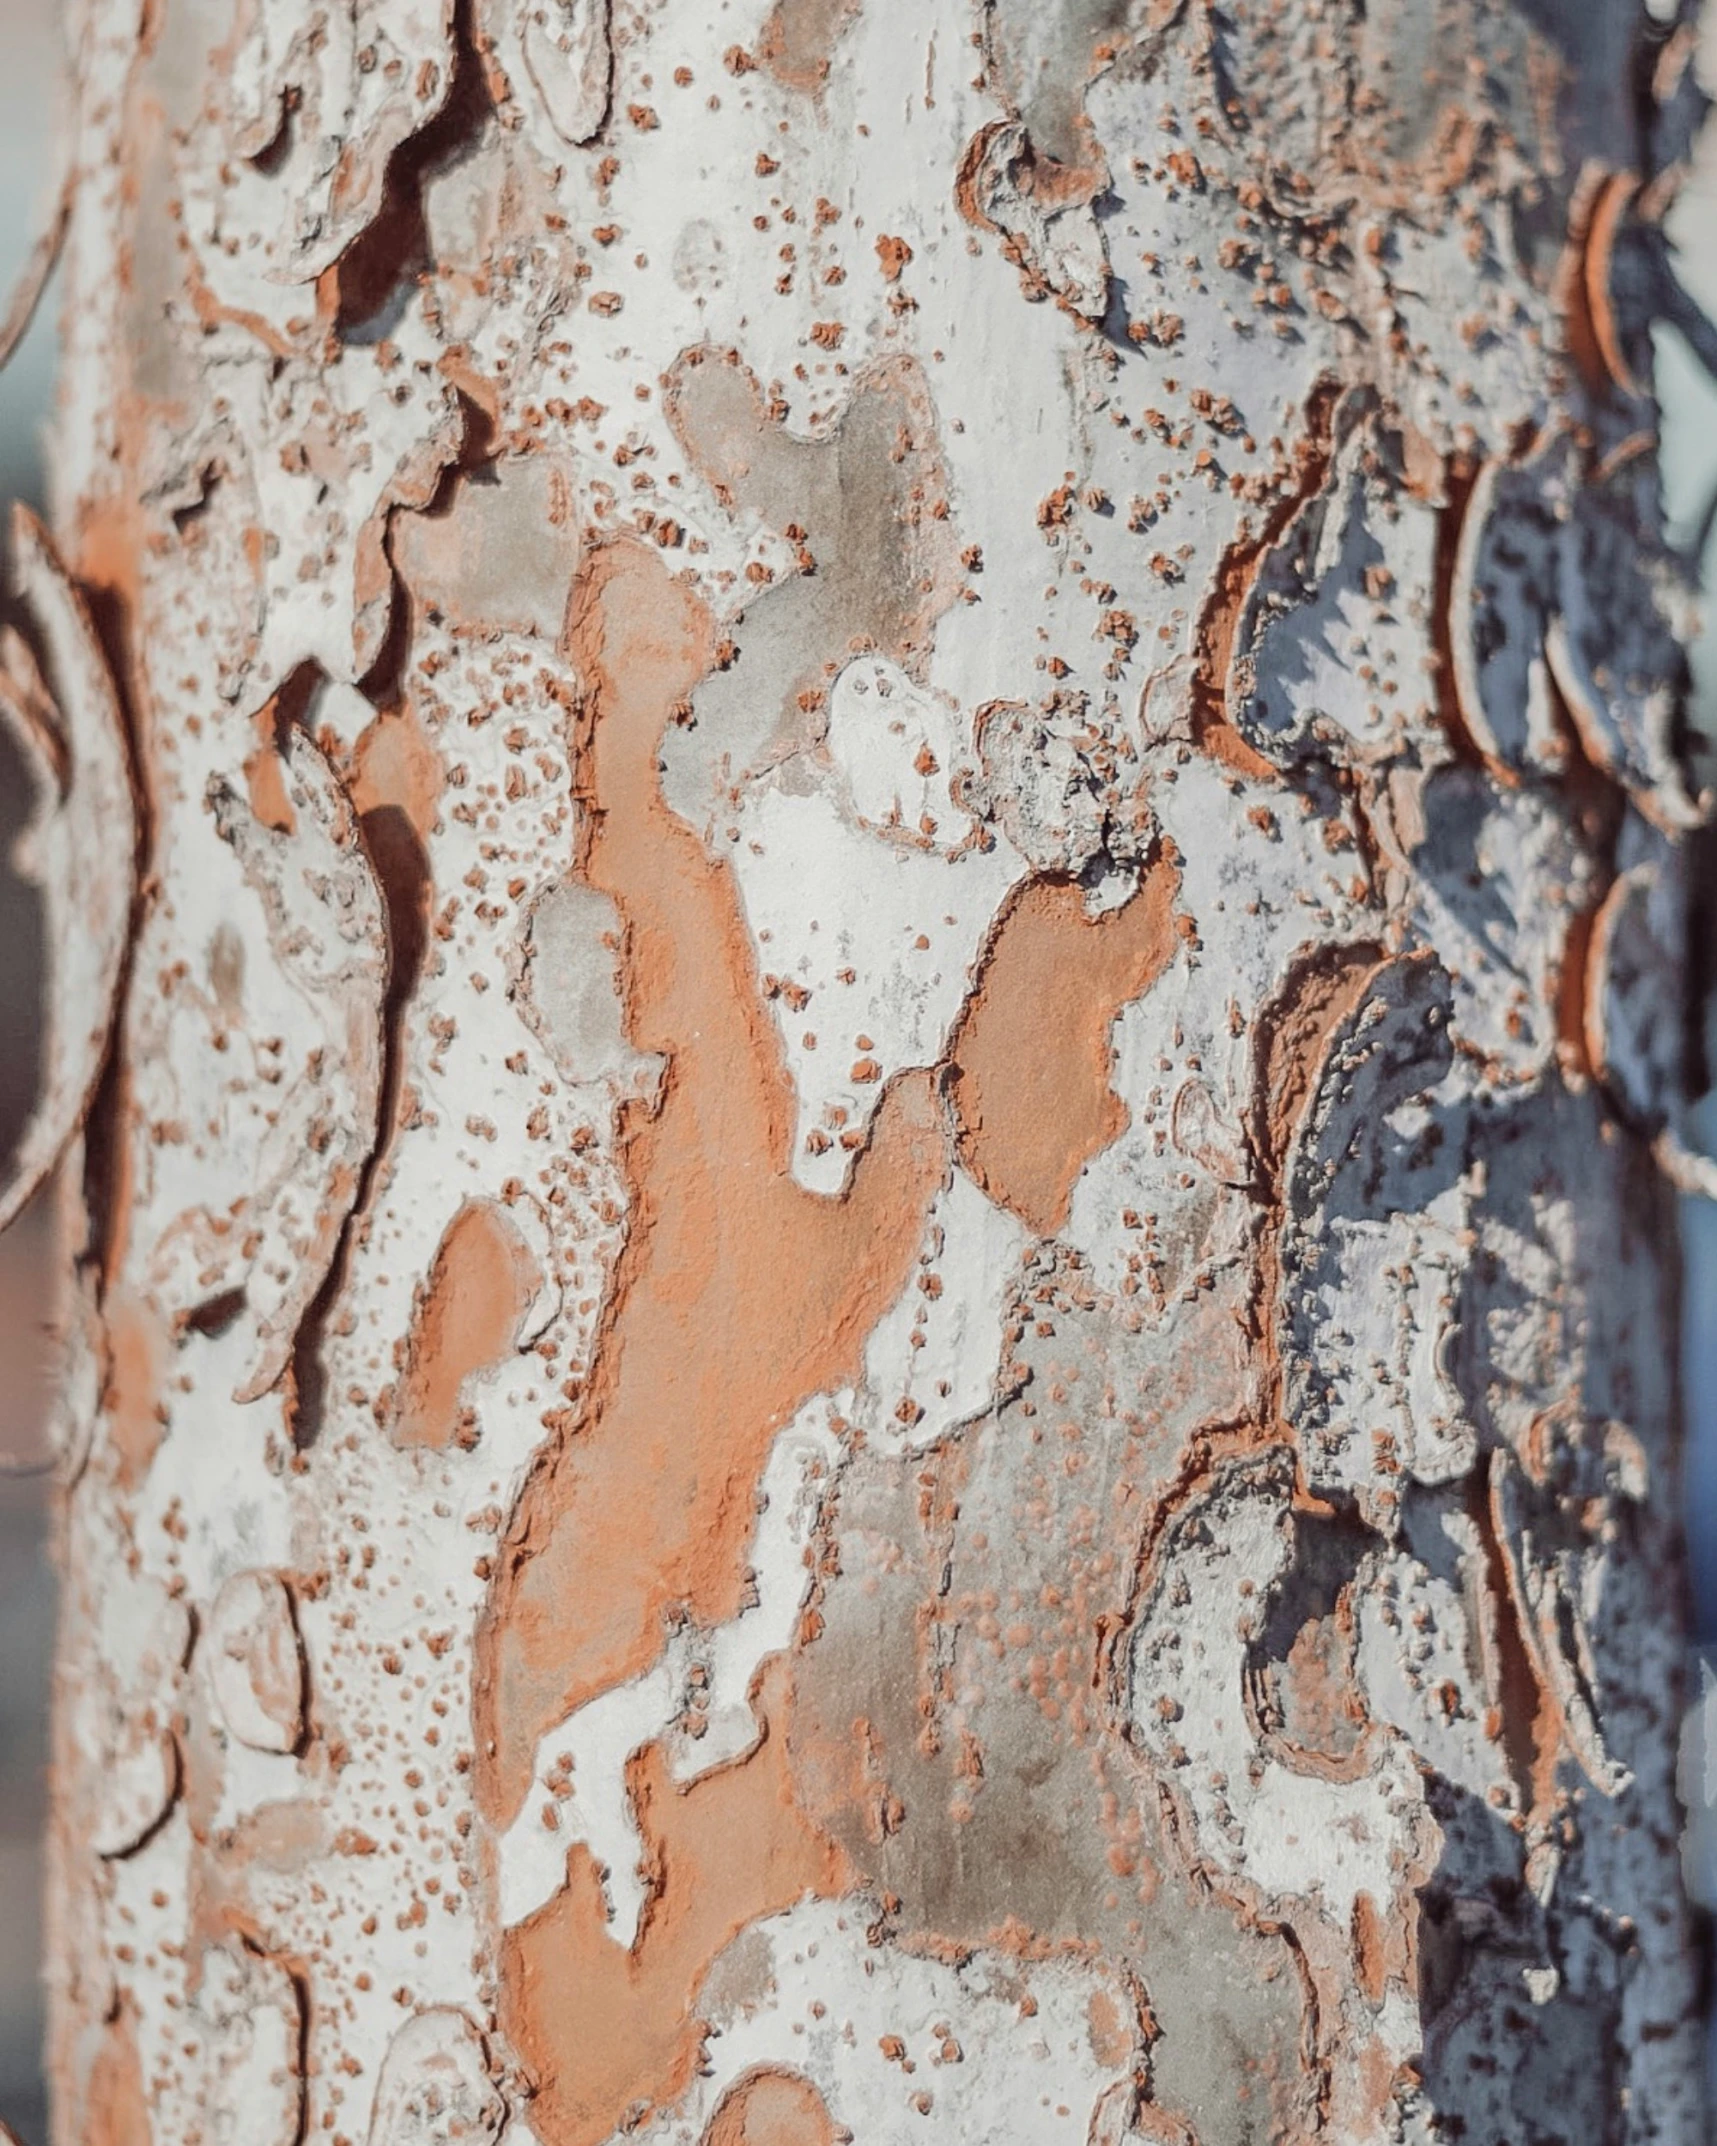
(869, 1332)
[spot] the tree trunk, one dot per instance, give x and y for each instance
(869, 1330)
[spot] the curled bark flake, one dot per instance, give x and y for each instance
(33, 276)
(79, 847)
(1370, 1248)
(1562, 596)
(557, 58)
(1502, 587)
(1632, 1009)
(1223, 1559)
(435, 2088)
(317, 99)
(123, 1711)
(1555, 1563)
(1615, 198)
(256, 1665)
(250, 2012)
(327, 927)
(1046, 224)
(1632, 1003)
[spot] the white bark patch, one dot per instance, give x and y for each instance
(932, 1360)
(891, 2040)
(367, 434)
(1062, 780)
(868, 929)
(78, 847)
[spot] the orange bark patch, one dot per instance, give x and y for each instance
(480, 1288)
(739, 1295)
(116, 2109)
(604, 2029)
(1370, 1952)
(265, 787)
(1032, 1069)
(771, 2108)
(893, 254)
(136, 1349)
(396, 765)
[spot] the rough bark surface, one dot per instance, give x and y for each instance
(868, 1328)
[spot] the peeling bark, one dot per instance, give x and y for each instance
(867, 1321)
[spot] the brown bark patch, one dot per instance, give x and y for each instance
(1032, 1068)
(605, 2030)
(468, 1318)
(739, 1295)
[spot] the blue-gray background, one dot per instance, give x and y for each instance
(29, 41)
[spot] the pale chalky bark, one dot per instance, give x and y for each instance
(864, 824)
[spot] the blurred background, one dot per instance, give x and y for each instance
(28, 93)
(28, 89)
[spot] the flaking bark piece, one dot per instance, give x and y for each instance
(327, 930)
(1559, 582)
(343, 86)
(256, 1665)
(1614, 650)
(1503, 588)
(1044, 216)
(250, 2013)
(79, 847)
(1633, 1014)
(558, 60)
(435, 2086)
(1555, 1556)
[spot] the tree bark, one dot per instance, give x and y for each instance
(864, 831)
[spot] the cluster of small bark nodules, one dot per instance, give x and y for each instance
(864, 828)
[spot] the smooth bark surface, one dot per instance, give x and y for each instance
(864, 828)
